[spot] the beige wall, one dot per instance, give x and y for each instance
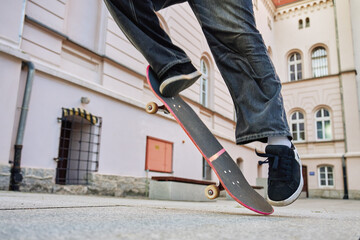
(336, 92)
(100, 63)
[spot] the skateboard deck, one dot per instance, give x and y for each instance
(229, 174)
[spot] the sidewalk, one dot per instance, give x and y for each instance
(50, 216)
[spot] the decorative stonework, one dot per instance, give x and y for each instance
(300, 8)
(270, 6)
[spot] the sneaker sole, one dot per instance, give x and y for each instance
(174, 85)
(296, 194)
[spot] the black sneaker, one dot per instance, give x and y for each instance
(285, 180)
(178, 78)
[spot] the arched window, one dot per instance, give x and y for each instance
(204, 83)
(307, 22)
(323, 124)
(295, 67)
(297, 126)
(319, 62)
(301, 24)
(326, 176)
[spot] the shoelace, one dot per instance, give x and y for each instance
(280, 167)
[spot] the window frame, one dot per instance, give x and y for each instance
(298, 121)
(79, 147)
(327, 180)
(301, 24)
(319, 64)
(323, 119)
(295, 63)
(204, 80)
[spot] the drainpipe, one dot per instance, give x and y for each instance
(343, 158)
(16, 176)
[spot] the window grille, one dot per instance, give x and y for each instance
(319, 62)
(295, 67)
(79, 147)
(298, 126)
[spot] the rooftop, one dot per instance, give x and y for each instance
(279, 3)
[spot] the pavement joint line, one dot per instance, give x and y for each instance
(134, 206)
(70, 207)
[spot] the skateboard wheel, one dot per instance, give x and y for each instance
(152, 108)
(212, 192)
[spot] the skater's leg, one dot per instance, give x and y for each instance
(241, 56)
(138, 21)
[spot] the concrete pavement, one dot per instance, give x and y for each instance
(50, 216)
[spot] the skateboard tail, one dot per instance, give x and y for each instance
(209, 159)
(235, 198)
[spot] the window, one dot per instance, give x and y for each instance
(307, 22)
(78, 147)
(158, 155)
(323, 125)
(206, 170)
(301, 24)
(295, 67)
(326, 176)
(297, 126)
(319, 62)
(204, 83)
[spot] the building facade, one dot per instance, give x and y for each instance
(86, 129)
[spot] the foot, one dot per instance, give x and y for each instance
(285, 180)
(178, 78)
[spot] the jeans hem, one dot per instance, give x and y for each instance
(262, 137)
(170, 65)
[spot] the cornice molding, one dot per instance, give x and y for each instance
(270, 6)
(297, 8)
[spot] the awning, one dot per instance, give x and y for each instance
(81, 113)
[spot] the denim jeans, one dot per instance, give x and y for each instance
(237, 47)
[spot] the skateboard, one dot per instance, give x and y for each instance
(230, 177)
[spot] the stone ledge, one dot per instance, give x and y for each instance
(43, 181)
(177, 191)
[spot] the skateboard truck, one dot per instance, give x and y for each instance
(213, 191)
(153, 108)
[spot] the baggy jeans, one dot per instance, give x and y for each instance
(237, 47)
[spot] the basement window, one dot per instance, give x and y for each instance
(79, 147)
